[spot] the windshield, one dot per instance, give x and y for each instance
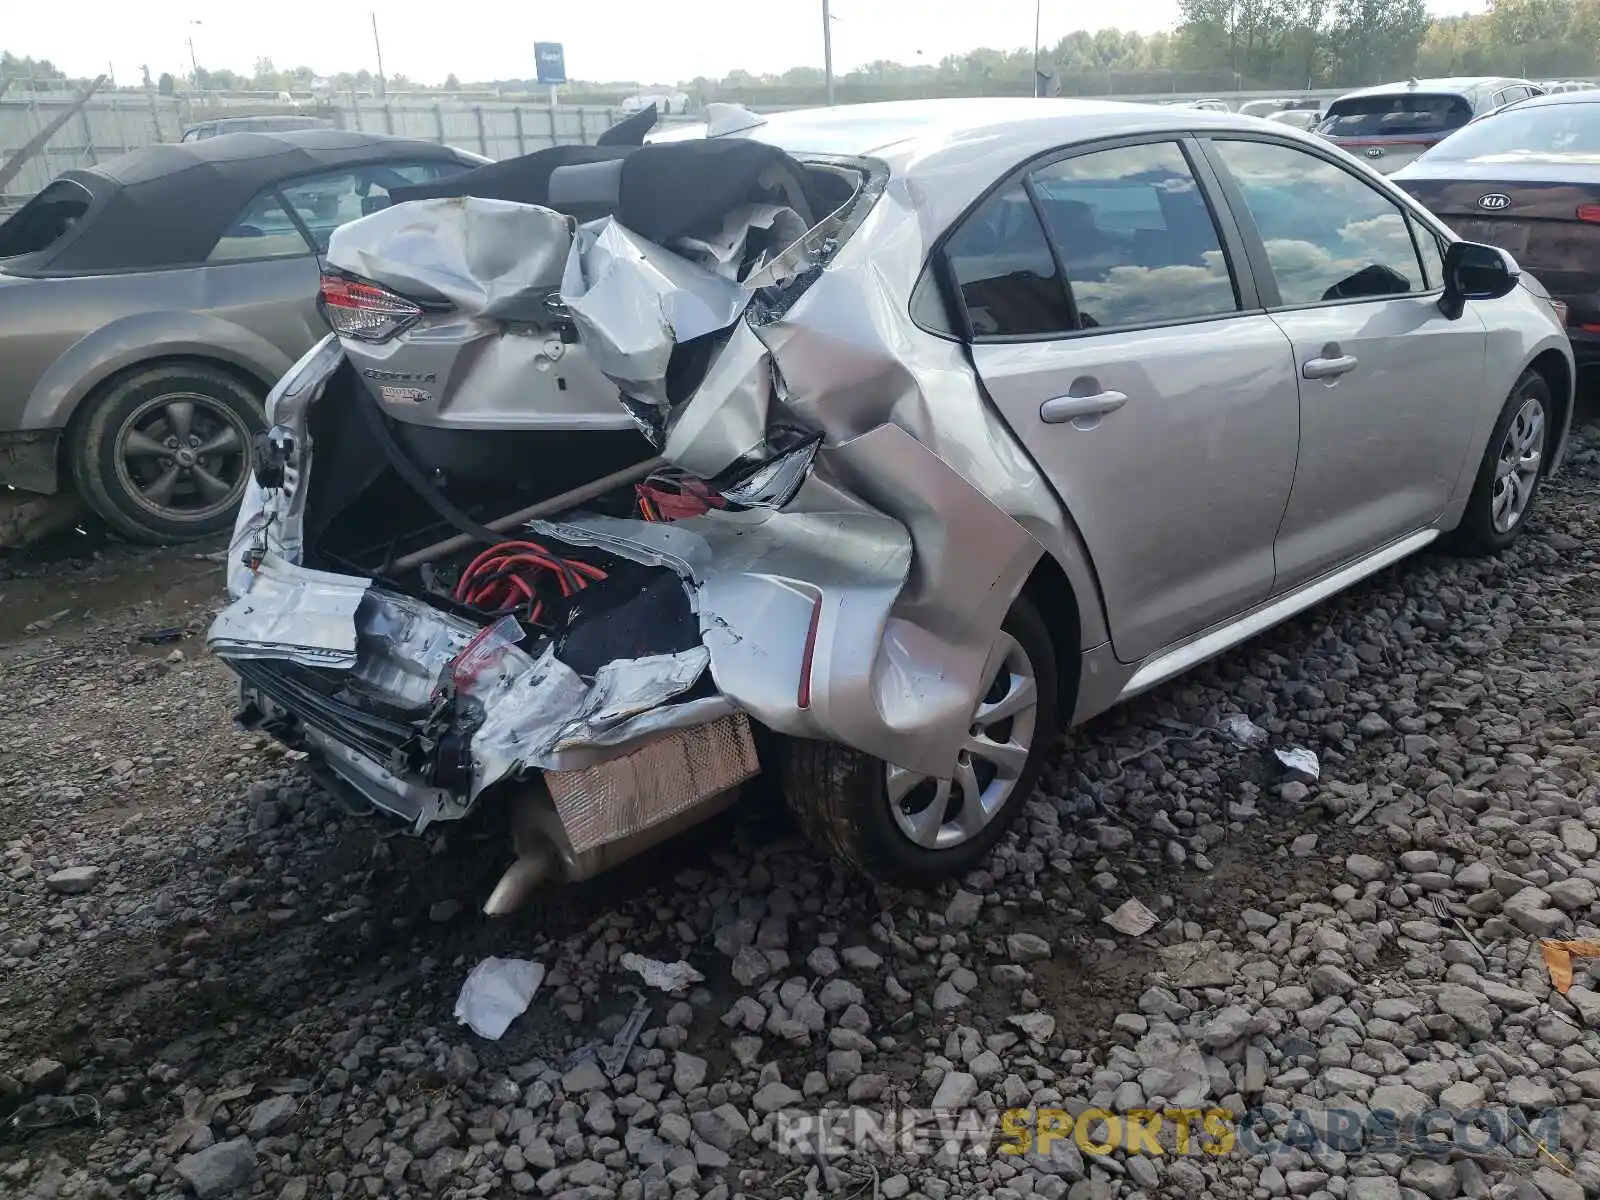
(1539, 131)
(1406, 113)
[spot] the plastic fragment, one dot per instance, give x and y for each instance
(668, 977)
(1132, 919)
(497, 992)
(1299, 761)
(1558, 956)
(1242, 731)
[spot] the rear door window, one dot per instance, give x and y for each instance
(1133, 232)
(45, 219)
(1404, 114)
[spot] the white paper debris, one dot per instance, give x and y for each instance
(1132, 919)
(669, 977)
(496, 993)
(1242, 731)
(1300, 761)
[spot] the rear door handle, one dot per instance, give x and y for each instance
(1328, 368)
(1067, 408)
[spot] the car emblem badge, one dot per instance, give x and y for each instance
(405, 395)
(1494, 201)
(1374, 151)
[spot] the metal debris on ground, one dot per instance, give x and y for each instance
(1558, 956)
(1132, 919)
(51, 1112)
(614, 1058)
(1297, 760)
(1242, 731)
(497, 992)
(160, 637)
(668, 977)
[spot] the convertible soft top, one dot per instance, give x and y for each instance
(167, 205)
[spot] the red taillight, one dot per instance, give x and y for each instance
(1589, 212)
(364, 310)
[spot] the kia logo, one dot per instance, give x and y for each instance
(1374, 151)
(1494, 201)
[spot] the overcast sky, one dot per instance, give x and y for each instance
(658, 41)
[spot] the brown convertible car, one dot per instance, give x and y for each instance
(1527, 179)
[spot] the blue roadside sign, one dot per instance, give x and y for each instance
(552, 62)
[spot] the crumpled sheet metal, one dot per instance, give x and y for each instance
(484, 256)
(306, 617)
(726, 418)
(757, 578)
(537, 712)
(632, 301)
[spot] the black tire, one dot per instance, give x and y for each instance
(840, 796)
(1478, 535)
(128, 484)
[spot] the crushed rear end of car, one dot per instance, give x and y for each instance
(573, 518)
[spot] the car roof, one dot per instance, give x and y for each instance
(164, 205)
(1589, 95)
(1452, 83)
(926, 125)
(948, 152)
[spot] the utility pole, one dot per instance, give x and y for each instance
(827, 50)
(1036, 4)
(383, 83)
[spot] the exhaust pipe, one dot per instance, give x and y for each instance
(532, 868)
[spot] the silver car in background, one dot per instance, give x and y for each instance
(950, 422)
(147, 305)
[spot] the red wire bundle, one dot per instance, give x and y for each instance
(506, 577)
(668, 498)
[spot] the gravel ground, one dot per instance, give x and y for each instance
(257, 987)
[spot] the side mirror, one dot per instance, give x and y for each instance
(1473, 271)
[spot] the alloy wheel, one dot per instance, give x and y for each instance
(1517, 467)
(938, 814)
(183, 456)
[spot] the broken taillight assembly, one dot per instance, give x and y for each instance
(775, 482)
(365, 311)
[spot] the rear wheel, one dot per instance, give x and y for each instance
(163, 454)
(1512, 470)
(899, 826)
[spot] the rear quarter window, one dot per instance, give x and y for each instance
(45, 219)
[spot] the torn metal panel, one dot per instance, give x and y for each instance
(273, 522)
(726, 418)
(488, 257)
(632, 301)
(290, 613)
(536, 711)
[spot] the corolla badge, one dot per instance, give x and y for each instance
(1494, 201)
(1374, 151)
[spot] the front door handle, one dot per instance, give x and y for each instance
(1067, 408)
(1328, 368)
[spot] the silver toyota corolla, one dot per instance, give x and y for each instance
(949, 423)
